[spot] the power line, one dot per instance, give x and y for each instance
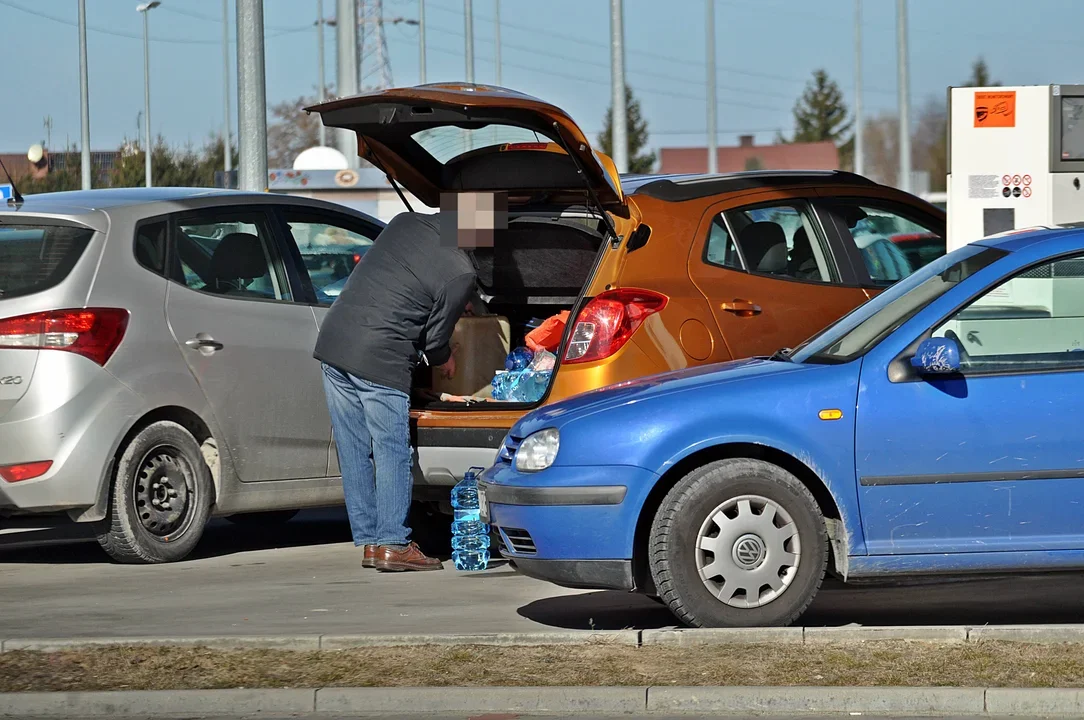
(642, 88)
(218, 20)
(647, 90)
(684, 62)
(134, 36)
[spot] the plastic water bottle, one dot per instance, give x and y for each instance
(529, 386)
(518, 359)
(470, 536)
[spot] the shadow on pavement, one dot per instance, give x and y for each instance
(1020, 599)
(75, 545)
(599, 611)
(1013, 600)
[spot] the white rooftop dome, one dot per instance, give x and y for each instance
(320, 158)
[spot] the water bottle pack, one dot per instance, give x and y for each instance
(470, 536)
(525, 377)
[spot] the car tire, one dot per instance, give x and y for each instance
(718, 562)
(161, 497)
(269, 517)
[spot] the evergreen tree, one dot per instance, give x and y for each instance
(820, 113)
(639, 161)
(980, 75)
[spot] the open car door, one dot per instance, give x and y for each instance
(449, 138)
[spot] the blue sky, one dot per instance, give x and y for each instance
(555, 49)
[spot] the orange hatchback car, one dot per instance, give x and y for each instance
(657, 272)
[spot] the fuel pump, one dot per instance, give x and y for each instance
(1016, 159)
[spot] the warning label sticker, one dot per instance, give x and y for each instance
(995, 109)
(983, 186)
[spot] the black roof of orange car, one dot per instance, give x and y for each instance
(677, 188)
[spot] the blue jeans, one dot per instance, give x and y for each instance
(372, 434)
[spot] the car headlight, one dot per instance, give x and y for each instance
(538, 451)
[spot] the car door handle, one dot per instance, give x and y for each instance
(741, 308)
(204, 343)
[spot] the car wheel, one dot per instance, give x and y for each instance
(161, 497)
(271, 517)
(738, 543)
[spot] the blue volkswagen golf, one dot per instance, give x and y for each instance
(934, 431)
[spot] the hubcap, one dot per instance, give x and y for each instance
(161, 492)
(747, 551)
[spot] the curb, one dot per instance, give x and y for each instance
(726, 701)
(632, 638)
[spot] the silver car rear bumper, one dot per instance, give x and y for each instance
(75, 414)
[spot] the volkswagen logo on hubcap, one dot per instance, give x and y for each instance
(748, 551)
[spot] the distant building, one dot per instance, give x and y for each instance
(365, 189)
(750, 156)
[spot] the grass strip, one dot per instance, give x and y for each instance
(877, 663)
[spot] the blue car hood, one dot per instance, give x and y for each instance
(654, 386)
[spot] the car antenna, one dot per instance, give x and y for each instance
(16, 197)
(616, 239)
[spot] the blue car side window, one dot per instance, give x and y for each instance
(1032, 322)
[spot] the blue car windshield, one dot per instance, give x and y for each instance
(859, 331)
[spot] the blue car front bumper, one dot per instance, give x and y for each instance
(572, 526)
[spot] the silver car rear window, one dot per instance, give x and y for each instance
(34, 258)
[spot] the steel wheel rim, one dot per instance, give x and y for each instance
(747, 551)
(163, 493)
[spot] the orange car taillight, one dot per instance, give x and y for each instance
(93, 333)
(608, 321)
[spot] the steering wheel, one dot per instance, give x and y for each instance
(965, 357)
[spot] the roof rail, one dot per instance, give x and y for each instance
(679, 188)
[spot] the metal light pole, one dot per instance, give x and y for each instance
(468, 19)
(84, 95)
(497, 37)
(904, 182)
(859, 125)
(709, 21)
(251, 95)
(226, 129)
(619, 119)
(320, 61)
(146, 8)
(346, 83)
(421, 42)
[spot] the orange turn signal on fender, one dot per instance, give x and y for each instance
(831, 414)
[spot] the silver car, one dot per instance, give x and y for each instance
(156, 359)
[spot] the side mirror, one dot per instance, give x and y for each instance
(937, 356)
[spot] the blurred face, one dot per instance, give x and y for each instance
(468, 220)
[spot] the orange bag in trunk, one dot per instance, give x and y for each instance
(547, 336)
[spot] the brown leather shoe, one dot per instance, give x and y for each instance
(368, 556)
(411, 557)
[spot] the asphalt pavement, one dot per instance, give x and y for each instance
(306, 577)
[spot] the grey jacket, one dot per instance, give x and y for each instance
(402, 299)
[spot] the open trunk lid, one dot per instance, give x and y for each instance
(448, 138)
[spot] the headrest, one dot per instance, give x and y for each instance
(802, 250)
(775, 260)
(757, 240)
(239, 256)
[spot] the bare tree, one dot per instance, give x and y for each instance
(291, 131)
(930, 143)
(881, 137)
